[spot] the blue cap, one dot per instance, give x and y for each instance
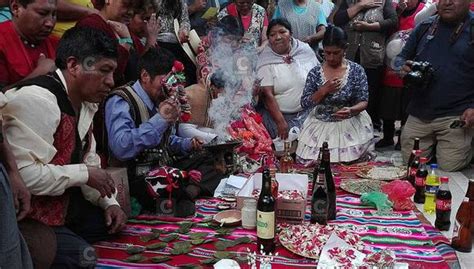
(434, 166)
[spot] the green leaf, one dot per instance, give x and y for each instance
(135, 258)
(193, 236)
(183, 230)
(243, 240)
(182, 245)
(197, 241)
(134, 249)
(149, 237)
(170, 238)
(157, 231)
(160, 259)
(159, 245)
(186, 225)
(221, 245)
(189, 266)
(209, 261)
(222, 255)
(224, 231)
(241, 259)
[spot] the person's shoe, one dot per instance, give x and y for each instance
(384, 143)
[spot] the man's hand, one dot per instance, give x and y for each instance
(21, 195)
(196, 143)
(406, 68)
(468, 117)
(169, 109)
(115, 219)
(100, 180)
(44, 66)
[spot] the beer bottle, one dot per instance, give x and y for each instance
(443, 205)
(319, 203)
(416, 146)
(330, 186)
(266, 216)
(462, 238)
(411, 172)
(286, 163)
(317, 167)
(470, 194)
(420, 178)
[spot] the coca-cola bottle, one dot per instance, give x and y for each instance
(462, 238)
(266, 215)
(420, 178)
(415, 164)
(443, 206)
(319, 203)
(330, 185)
(416, 146)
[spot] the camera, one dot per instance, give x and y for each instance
(420, 75)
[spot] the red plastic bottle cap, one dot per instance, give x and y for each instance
(423, 160)
(444, 179)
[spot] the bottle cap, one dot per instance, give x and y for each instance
(423, 160)
(444, 179)
(434, 166)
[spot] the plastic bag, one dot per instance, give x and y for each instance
(400, 193)
(376, 199)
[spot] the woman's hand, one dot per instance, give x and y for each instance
(120, 29)
(361, 26)
(343, 113)
(183, 36)
(332, 86)
(282, 128)
(367, 4)
(153, 28)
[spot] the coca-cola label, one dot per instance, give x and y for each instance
(443, 205)
(420, 181)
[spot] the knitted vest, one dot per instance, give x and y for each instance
(302, 25)
(370, 44)
(52, 210)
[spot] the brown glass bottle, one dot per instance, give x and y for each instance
(416, 146)
(330, 186)
(266, 216)
(286, 162)
(462, 238)
(470, 195)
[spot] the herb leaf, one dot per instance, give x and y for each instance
(160, 259)
(170, 238)
(135, 258)
(134, 249)
(159, 245)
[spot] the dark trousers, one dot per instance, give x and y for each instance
(85, 224)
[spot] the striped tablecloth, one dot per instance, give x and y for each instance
(413, 240)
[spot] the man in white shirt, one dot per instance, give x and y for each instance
(48, 122)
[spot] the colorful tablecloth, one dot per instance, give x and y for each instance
(413, 240)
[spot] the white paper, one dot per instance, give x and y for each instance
(325, 261)
(236, 181)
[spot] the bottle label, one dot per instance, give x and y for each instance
(320, 208)
(430, 189)
(265, 224)
(443, 205)
(412, 172)
(456, 229)
(420, 181)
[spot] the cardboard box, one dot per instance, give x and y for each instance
(119, 175)
(286, 210)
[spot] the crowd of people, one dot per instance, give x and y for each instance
(91, 84)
